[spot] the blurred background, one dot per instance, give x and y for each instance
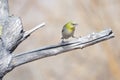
(98, 62)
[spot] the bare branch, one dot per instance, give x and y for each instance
(27, 33)
(13, 33)
(52, 50)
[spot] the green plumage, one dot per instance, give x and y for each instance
(68, 30)
(70, 27)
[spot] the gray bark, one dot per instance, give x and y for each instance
(13, 34)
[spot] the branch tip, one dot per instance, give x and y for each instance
(27, 33)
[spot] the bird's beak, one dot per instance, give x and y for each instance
(75, 24)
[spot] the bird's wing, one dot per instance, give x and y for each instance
(63, 29)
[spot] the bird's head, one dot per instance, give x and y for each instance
(72, 23)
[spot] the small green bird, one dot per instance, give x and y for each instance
(68, 30)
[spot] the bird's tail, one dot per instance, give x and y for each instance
(62, 38)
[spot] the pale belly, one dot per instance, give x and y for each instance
(67, 34)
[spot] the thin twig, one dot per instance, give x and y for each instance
(27, 33)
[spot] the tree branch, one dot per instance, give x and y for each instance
(28, 33)
(52, 50)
